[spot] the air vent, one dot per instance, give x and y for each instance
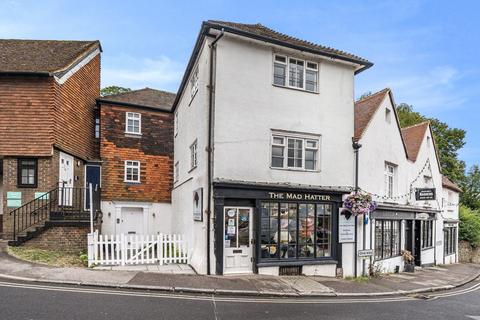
(290, 271)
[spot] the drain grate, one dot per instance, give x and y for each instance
(290, 271)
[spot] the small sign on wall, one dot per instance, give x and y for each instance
(346, 226)
(14, 199)
(198, 204)
(425, 194)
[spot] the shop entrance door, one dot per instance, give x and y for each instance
(237, 243)
(417, 242)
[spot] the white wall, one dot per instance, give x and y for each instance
(157, 216)
(192, 125)
(248, 107)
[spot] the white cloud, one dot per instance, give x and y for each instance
(436, 88)
(127, 71)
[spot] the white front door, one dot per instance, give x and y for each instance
(65, 179)
(237, 243)
(131, 221)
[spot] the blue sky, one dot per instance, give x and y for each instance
(426, 51)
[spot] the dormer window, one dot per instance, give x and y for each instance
(301, 74)
(133, 123)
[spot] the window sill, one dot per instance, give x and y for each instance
(132, 182)
(427, 248)
(296, 89)
(19, 186)
(293, 169)
(296, 262)
(384, 259)
(133, 135)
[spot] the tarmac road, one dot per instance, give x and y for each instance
(39, 301)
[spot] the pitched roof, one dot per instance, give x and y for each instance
(147, 97)
(46, 57)
(263, 31)
(413, 137)
(365, 108)
(449, 184)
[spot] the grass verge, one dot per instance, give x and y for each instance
(48, 257)
(361, 279)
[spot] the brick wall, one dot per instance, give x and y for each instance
(75, 101)
(26, 115)
(48, 169)
(154, 150)
(71, 239)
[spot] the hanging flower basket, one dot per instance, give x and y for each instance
(359, 203)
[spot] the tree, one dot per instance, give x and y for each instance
(448, 141)
(470, 196)
(366, 95)
(113, 90)
(469, 226)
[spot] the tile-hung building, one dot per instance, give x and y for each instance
(394, 164)
(136, 147)
(259, 117)
(47, 96)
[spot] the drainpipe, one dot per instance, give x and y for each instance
(211, 99)
(356, 147)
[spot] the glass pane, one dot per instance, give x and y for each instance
(311, 80)
(279, 74)
(277, 140)
(230, 228)
(244, 227)
(280, 59)
(387, 238)
(277, 151)
(378, 240)
(277, 162)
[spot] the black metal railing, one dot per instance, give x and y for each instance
(61, 203)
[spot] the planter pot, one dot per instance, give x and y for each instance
(409, 268)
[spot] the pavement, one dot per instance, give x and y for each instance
(181, 278)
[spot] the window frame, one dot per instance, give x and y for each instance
(296, 241)
(20, 167)
(194, 155)
(135, 164)
(389, 192)
(427, 229)
(194, 82)
(450, 240)
(176, 171)
(306, 68)
(129, 116)
(393, 243)
(285, 145)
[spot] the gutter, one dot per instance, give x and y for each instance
(211, 103)
(26, 73)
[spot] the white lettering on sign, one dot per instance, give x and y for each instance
(365, 253)
(298, 196)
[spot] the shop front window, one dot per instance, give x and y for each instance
(387, 239)
(295, 231)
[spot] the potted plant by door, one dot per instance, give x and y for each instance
(409, 261)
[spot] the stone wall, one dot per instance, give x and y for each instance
(468, 254)
(71, 239)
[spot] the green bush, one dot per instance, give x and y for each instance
(469, 226)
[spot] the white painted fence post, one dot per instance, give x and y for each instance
(91, 244)
(123, 249)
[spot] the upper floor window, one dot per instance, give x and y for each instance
(389, 179)
(388, 115)
(133, 123)
(97, 127)
(193, 155)
(295, 73)
(294, 152)
(175, 125)
(177, 172)
(132, 171)
(27, 173)
(194, 82)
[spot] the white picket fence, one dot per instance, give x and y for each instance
(125, 249)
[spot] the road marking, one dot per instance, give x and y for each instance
(205, 298)
(474, 317)
(213, 298)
